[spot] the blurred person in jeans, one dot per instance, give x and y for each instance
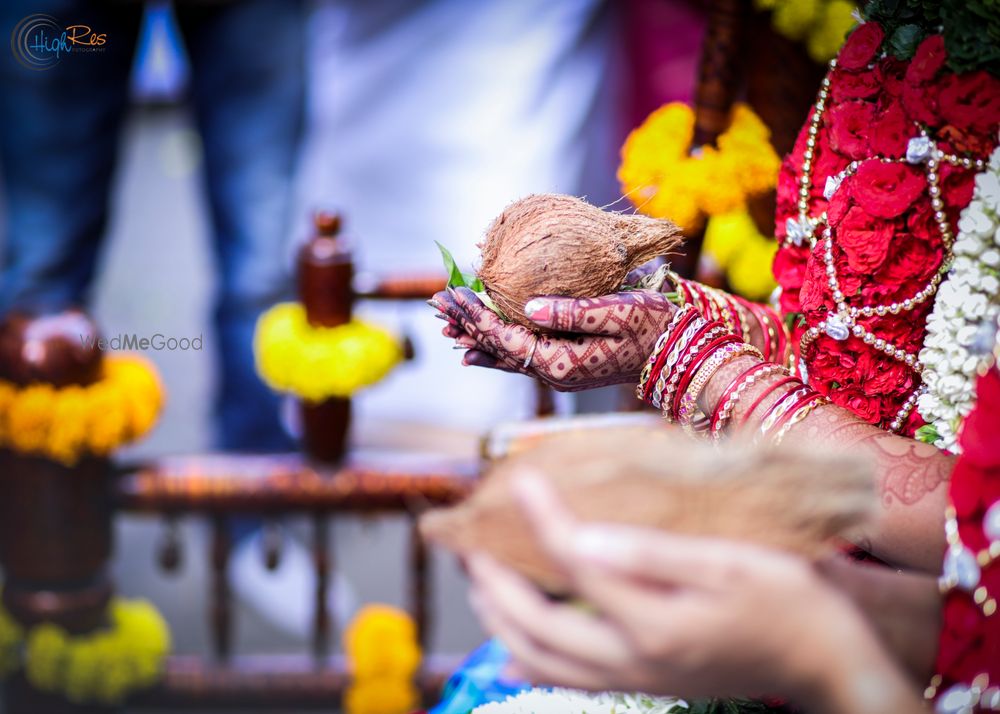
(59, 140)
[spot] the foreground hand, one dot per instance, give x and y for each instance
(677, 615)
(610, 337)
(904, 608)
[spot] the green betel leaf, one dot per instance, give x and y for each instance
(928, 434)
(456, 279)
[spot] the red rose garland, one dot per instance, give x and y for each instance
(887, 243)
(970, 639)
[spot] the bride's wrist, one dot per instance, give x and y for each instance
(710, 396)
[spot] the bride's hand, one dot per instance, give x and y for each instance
(601, 341)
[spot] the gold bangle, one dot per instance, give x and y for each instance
(727, 353)
(797, 417)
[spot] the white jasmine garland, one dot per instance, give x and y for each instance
(965, 311)
(571, 701)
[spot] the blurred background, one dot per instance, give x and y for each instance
(168, 180)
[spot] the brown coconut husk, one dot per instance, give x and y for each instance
(550, 244)
(657, 478)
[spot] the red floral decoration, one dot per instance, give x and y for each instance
(887, 243)
(970, 639)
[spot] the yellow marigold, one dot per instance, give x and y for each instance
(317, 363)
(723, 238)
(7, 392)
(66, 423)
(829, 33)
(68, 430)
(665, 178)
(794, 18)
(103, 666)
(108, 425)
(381, 696)
(141, 393)
(743, 253)
(29, 417)
(751, 275)
(381, 642)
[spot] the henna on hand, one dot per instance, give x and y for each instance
(615, 336)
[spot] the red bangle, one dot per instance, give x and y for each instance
(779, 407)
(676, 331)
(699, 360)
(685, 289)
(732, 388)
(767, 392)
(801, 402)
(757, 312)
(734, 310)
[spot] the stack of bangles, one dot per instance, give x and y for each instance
(686, 357)
(720, 305)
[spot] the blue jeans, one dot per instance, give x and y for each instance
(59, 136)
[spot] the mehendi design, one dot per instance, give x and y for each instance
(907, 469)
(610, 341)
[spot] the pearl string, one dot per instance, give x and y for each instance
(839, 325)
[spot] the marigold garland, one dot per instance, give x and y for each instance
(743, 253)
(664, 178)
(821, 24)
(316, 363)
(383, 657)
(70, 422)
(102, 667)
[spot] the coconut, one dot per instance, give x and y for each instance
(550, 244)
(658, 478)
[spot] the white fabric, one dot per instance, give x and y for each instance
(429, 118)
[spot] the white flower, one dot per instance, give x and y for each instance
(988, 187)
(968, 296)
(951, 385)
(570, 701)
(965, 333)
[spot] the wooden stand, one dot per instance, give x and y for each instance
(326, 274)
(55, 520)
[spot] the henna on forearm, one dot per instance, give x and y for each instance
(910, 470)
(911, 477)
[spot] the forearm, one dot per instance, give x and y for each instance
(836, 664)
(911, 477)
(904, 608)
(860, 678)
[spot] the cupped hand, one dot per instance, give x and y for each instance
(589, 342)
(673, 615)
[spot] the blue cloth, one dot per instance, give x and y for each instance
(479, 680)
(59, 137)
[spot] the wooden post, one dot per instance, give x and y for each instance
(55, 520)
(782, 82)
(325, 274)
(719, 80)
